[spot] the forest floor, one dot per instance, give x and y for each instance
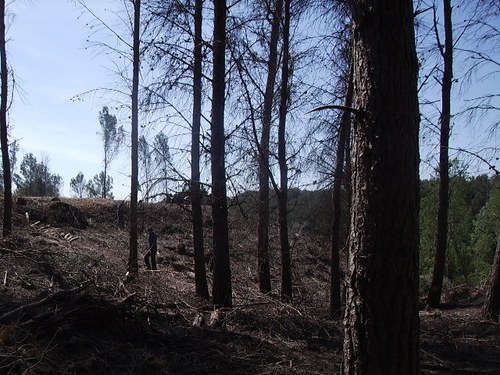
(67, 308)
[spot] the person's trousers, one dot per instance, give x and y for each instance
(150, 255)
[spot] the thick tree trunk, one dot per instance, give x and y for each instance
(263, 227)
(132, 260)
(4, 137)
(286, 261)
(434, 296)
(222, 290)
(345, 129)
(491, 307)
(381, 319)
(199, 256)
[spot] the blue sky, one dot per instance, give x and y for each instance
(47, 42)
(49, 53)
(476, 134)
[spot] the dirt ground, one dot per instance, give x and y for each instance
(67, 308)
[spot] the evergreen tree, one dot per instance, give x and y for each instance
(468, 195)
(486, 234)
(145, 160)
(35, 178)
(162, 160)
(78, 185)
(100, 186)
(112, 137)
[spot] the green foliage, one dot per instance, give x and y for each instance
(145, 168)
(307, 210)
(486, 233)
(97, 188)
(35, 178)
(155, 165)
(112, 136)
(162, 160)
(112, 139)
(162, 149)
(468, 196)
(460, 217)
(77, 185)
(428, 224)
(311, 210)
(474, 222)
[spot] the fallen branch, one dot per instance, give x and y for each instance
(50, 297)
(19, 253)
(127, 298)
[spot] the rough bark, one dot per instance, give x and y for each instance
(434, 296)
(222, 290)
(381, 315)
(132, 260)
(199, 256)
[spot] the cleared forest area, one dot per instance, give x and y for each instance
(67, 308)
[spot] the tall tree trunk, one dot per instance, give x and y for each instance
(286, 261)
(491, 307)
(4, 137)
(263, 227)
(345, 129)
(199, 256)
(381, 315)
(222, 290)
(434, 296)
(132, 260)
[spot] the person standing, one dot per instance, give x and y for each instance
(153, 248)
